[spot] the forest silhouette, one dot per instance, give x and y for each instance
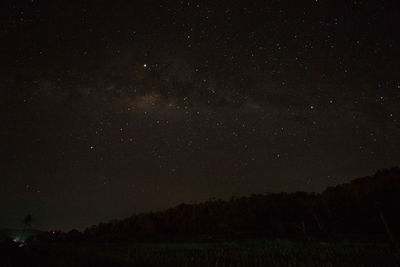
(363, 210)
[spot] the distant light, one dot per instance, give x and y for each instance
(145, 65)
(53, 232)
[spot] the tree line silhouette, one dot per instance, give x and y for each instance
(364, 210)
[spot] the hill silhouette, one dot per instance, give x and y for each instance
(364, 209)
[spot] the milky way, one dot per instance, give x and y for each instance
(113, 109)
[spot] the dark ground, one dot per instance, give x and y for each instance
(246, 253)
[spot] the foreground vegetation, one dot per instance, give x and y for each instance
(235, 232)
(365, 209)
(245, 253)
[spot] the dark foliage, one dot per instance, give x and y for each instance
(365, 209)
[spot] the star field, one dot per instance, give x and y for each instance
(118, 108)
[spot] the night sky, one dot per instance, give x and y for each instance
(113, 108)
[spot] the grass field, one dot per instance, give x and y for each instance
(246, 253)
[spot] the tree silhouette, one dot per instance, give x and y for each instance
(27, 221)
(344, 211)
